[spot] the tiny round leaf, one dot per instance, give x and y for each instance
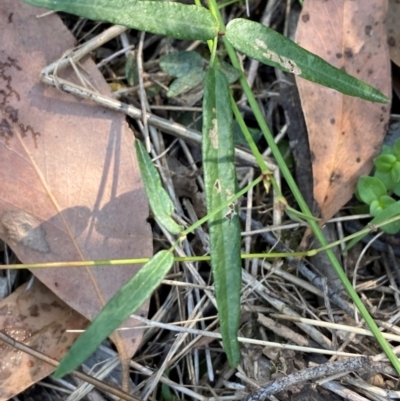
(370, 189)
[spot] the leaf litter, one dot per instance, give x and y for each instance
(38, 318)
(344, 133)
(79, 195)
(393, 30)
(191, 300)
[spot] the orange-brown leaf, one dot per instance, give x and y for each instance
(345, 133)
(37, 318)
(393, 30)
(70, 184)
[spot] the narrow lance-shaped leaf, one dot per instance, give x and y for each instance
(160, 202)
(159, 17)
(220, 184)
(271, 48)
(128, 299)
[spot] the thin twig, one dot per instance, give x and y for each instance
(334, 326)
(349, 365)
(240, 339)
(169, 127)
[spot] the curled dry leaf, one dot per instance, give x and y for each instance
(393, 30)
(38, 318)
(71, 187)
(345, 133)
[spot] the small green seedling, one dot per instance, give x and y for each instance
(387, 167)
(381, 191)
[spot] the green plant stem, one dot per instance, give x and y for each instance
(227, 3)
(365, 230)
(299, 198)
(221, 206)
(258, 156)
(213, 51)
(270, 255)
(253, 147)
(138, 261)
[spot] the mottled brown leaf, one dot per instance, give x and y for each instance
(393, 30)
(37, 318)
(70, 184)
(345, 133)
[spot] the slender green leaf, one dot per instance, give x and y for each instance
(127, 300)
(181, 63)
(269, 47)
(220, 184)
(296, 215)
(299, 198)
(160, 202)
(186, 83)
(168, 18)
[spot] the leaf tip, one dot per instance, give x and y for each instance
(377, 96)
(383, 98)
(61, 371)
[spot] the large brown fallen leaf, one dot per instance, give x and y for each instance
(70, 184)
(345, 133)
(39, 319)
(393, 30)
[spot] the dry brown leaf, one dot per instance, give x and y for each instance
(71, 187)
(37, 318)
(393, 30)
(345, 133)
